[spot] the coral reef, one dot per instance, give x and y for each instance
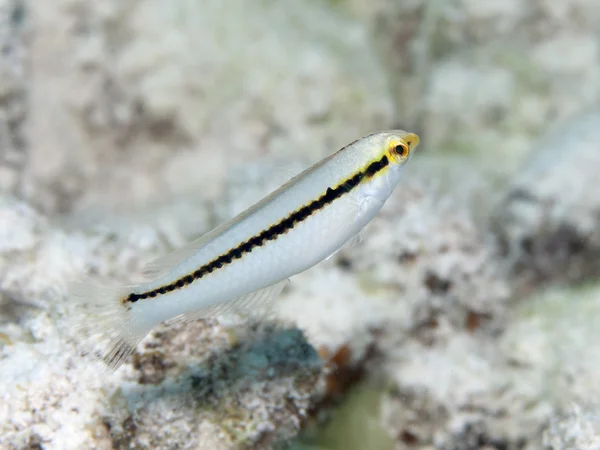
(549, 220)
(485, 77)
(194, 384)
(251, 383)
(514, 392)
(576, 429)
(129, 128)
(13, 86)
(145, 95)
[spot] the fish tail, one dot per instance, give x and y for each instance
(104, 323)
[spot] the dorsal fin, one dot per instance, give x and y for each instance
(164, 264)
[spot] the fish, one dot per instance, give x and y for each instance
(243, 264)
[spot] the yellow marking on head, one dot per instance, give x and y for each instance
(399, 148)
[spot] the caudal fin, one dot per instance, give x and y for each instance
(109, 328)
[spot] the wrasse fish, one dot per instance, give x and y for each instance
(243, 263)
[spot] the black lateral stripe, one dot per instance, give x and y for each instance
(269, 234)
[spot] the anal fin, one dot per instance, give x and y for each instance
(257, 303)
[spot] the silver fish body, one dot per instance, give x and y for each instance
(240, 264)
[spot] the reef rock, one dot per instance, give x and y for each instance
(133, 101)
(189, 385)
(549, 219)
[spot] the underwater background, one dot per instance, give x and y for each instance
(467, 317)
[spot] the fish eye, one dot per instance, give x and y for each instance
(401, 150)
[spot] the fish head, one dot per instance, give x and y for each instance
(399, 146)
(390, 150)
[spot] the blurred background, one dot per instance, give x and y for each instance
(465, 319)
